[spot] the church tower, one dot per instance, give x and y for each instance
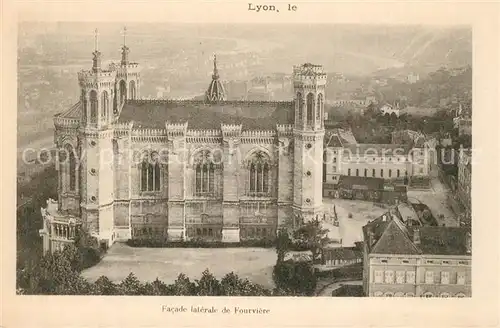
(215, 90)
(128, 79)
(95, 145)
(309, 88)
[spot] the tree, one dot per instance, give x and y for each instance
(312, 237)
(183, 286)
(131, 285)
(231, 285)
(155, 288)
(104, 286)
(370, 109)
(88, 246)
(295, 278)
(208, 285)
(283, 244)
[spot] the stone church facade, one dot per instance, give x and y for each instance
(181, 170)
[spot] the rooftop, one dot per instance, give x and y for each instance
(377, 149)
(75, 111)
(332, 140)
(261, 115)
(389, 235)
(343, 253)
(361, 183)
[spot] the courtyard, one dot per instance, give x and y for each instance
(166, 264)
(353, 215)
(436, 198)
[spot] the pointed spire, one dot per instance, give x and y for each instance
(96, 61)
(125, 49)
(124, 36)
(215, 90)
(215, 76)
(96, 42)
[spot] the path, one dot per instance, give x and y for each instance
(436, 198)
(328, 289)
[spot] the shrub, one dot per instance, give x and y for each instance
(198, 243)
(295, 278)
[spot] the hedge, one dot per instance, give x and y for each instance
(263, 243)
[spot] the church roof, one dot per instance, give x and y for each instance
(253, 115)
(74, 111)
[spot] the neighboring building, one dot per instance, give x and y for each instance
(415, 261)
(332, 257)
(343, 156)
(386, 161)
(408, 137)
(346, 102)
(212, 169)
(365, 188)
(389, 109)
(463, 120)
(371, 99)
(464, 179)
(412, 78)
(463, 125)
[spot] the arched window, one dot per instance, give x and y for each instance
(378, 294)
(390, 173)
(388, 294)
(204, 175)
(428, 295)
(357, 172)
(299, 105)
(123, 91)
(258, 174)
(444, 295)
(70, 156)
(84, 106)
(105, 104)
(310, 108)
(399, 294)
(381, 173)
(410, 295)
(93, 106)
(204, 179)
(132, 89)
(398, 173)
(460, 295)
(150, 173)
(319, 110)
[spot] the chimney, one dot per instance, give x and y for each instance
(468, 243)
(416, 236)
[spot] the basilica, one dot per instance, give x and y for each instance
(178, 170)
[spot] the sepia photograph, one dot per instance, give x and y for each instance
(172, 159)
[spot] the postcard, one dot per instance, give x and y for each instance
(246, 164)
